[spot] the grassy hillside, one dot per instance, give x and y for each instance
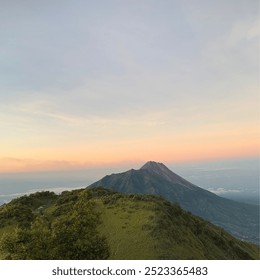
(102, 224)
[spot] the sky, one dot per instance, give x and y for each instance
(86, 84)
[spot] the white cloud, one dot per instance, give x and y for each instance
(220, 191)
(57, 190)
(243, 31)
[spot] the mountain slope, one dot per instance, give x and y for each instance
(240, 219)
(111, 225)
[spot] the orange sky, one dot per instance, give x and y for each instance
(169, 81)
(164, 148)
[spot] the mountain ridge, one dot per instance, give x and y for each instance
(98, 223)
(240, 219)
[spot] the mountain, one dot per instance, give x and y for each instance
(99, 223)
(240, 219)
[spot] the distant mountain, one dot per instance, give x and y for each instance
(240, 219)
(99, 223)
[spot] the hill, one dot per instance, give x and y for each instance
(239, 219)
(99, 223)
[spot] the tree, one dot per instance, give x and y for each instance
(73, 235)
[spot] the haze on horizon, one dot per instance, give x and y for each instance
(99, 83)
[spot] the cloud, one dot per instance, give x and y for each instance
(220, 191)
(5, 198)
(236, 49)
(243, 31)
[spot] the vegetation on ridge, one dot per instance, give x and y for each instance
(102, 224)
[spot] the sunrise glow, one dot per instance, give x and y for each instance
(160, 82)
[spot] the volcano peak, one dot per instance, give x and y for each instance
(152, 165)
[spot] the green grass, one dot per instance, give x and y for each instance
(124, 226)
(136, 227)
